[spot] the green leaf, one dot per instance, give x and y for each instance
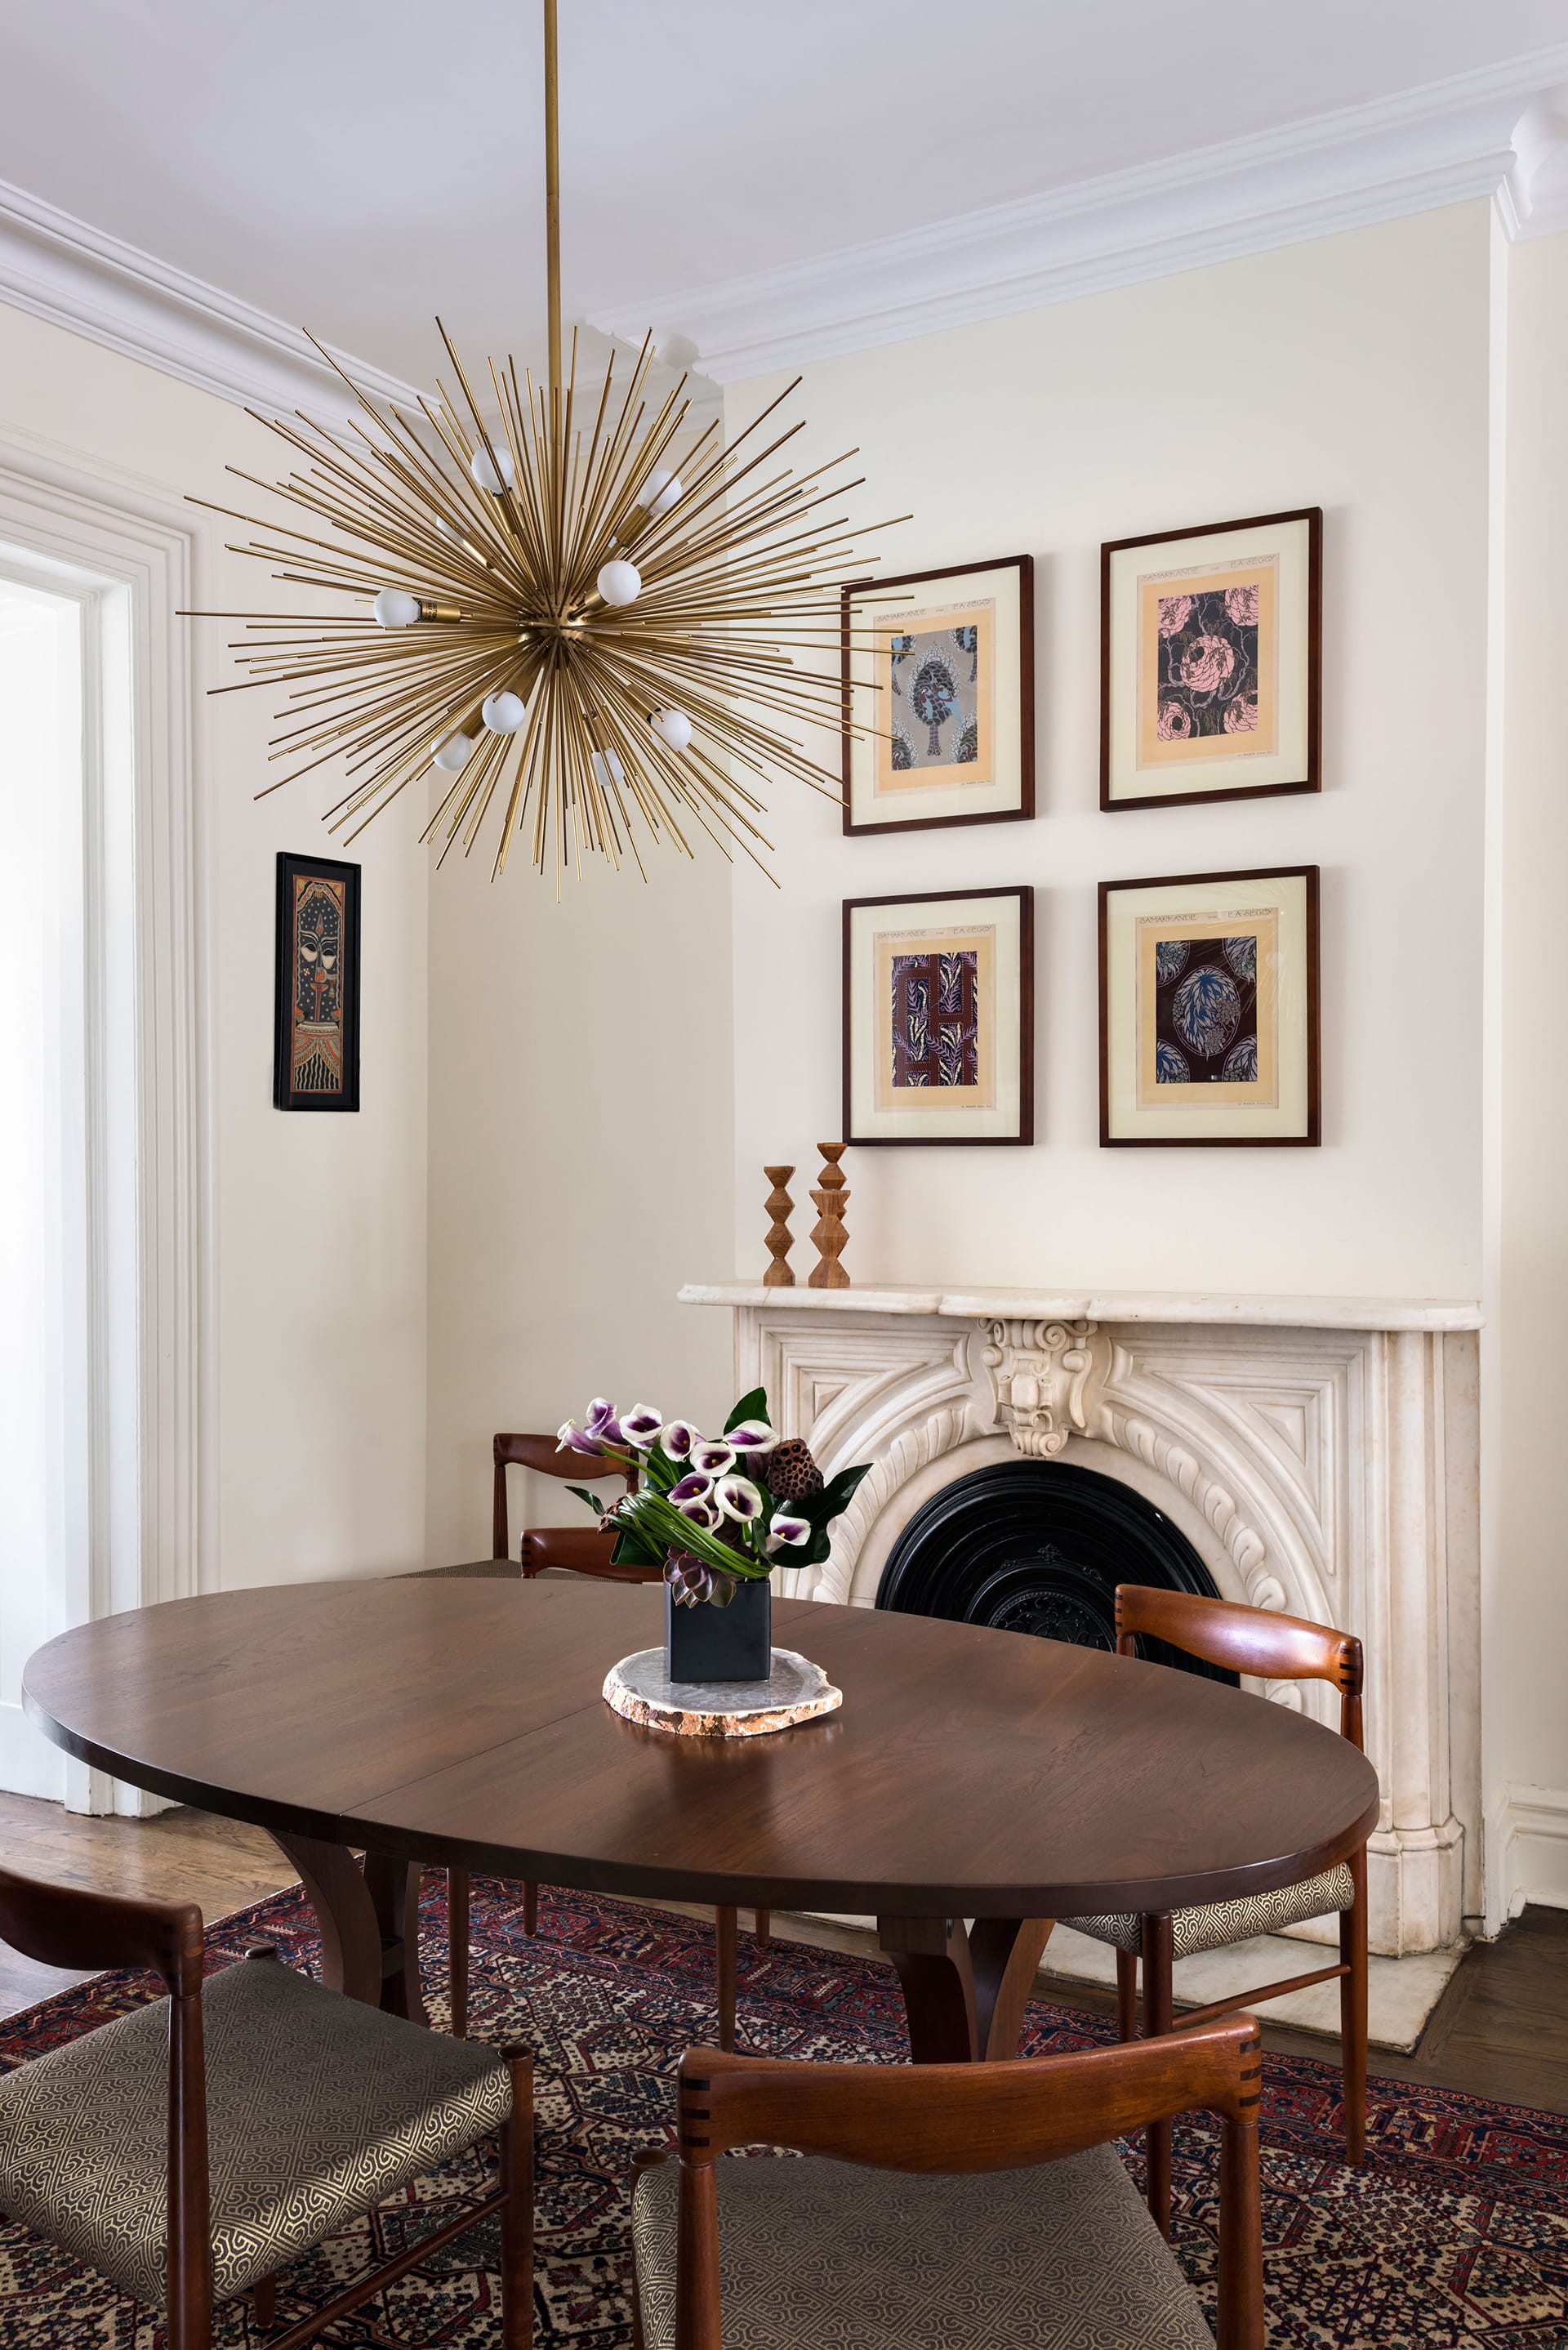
(660, 1471)
(634, 1549)
(750, 1407)
(837, 1493)
(581, 1493)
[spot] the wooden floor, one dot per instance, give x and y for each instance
(1500, 2030)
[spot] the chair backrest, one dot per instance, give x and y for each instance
(543, 1456)
(1249, 1639)
(62, 1925)
(972, 2117)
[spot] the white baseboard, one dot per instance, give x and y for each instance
(1527, 1852)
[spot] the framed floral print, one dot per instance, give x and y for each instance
(938, 677)
(939, 1017)
(1209, 1008)
(1210, 658)
(316, 1049)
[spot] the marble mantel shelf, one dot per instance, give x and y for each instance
(1107, 1307)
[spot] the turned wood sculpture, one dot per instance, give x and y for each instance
(779, 1203)
(830, 1235)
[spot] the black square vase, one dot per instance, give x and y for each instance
(721, 1643)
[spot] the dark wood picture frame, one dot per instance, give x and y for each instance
(1313, 780)
(1311, 1139)
(1025, 893)
(285, 1095)
(1025, 566)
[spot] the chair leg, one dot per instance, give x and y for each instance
(530, 1909)
(764, 1929)
(1156, 2019)
(725, 1934)
(517, 2211)
(1353, 2013)
(264, 2298)
(457, 1949)
(1126, 1995)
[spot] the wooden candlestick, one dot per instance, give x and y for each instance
(830, 1235)
(779, 1203)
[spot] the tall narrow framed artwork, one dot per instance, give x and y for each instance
(939, 668)
(1209, 1009)
(315, 1049)
(938, 1018)
(1211, 662)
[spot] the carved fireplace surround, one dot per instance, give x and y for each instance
(1319, 1454)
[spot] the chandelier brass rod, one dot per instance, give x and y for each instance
(552, 192)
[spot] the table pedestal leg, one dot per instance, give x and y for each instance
(369, 1920)
(964, 1994)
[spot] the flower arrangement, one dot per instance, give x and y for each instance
(712, 1512)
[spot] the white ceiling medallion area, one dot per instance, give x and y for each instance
(1502, 130)
(75, 276)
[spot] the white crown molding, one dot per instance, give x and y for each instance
(77, 276)
(1440, 144)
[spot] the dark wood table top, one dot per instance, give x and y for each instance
(971, 1772)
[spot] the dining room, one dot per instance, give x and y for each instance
(621, 1725)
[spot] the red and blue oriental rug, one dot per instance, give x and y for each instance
(1456, 2233)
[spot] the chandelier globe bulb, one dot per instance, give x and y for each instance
(493, 477)
(619, 583)
(672, 727)
(503, 713)
(394, 607)
(454, 754)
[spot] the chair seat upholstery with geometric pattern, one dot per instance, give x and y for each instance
(822, 2255)
(1218, 1923)
(319, 2107)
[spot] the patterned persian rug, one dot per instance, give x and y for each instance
(1456, 2233)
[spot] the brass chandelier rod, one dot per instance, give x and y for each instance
(553, 198)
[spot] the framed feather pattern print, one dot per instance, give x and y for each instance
(315, 1044)
(939, 1029)
(1209, 1009)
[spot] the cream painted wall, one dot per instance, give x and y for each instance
(315, 1373)
(1350, 373)
(581, 1139)
(1525, 1635)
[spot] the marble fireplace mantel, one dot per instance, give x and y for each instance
(1320, 1454)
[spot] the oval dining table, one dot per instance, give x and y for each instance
(974, 1786)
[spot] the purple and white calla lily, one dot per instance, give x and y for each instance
(576, 1440)
(676, 1438)
(694, 1487)
(787, 1528)
(752, 1439)
(640, 1426)
(701, 1513)
(738, 1499)
(713, 1456)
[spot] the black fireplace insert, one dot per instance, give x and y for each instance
(1040, 1546)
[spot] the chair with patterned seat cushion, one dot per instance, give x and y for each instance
(1256, 1641)
(193, 2148)
(956, 2207)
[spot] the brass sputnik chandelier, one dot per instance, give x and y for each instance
(542, 610)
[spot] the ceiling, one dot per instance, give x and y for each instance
(354, 165)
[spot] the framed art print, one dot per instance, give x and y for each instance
(1209, 662)
(939, 670)
(1209, 1021)
(939, 1017)
(316, 1052)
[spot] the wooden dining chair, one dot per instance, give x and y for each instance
(980, 2205)
(580, 1550)
(1275, 1647)
(191, 2149)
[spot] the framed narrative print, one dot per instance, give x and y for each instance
(316, 1058)
(939, 1017)
(938, 671)
(1211, 654)
(1209, 985)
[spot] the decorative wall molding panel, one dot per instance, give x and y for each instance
(62, 269)
(1328, 1472)
(1527, 1852)
(1423, 148)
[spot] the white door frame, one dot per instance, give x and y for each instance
(152, 1511)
